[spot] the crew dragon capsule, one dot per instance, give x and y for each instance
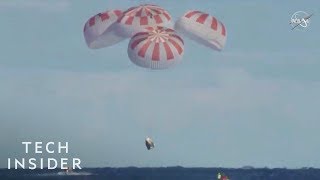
(149, 143)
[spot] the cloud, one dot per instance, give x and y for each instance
(150, 97)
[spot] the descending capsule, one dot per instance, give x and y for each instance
(136, 19)
(149, 143)
(156, 48)
(202, 28)
(99, 32)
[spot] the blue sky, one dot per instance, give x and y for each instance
(256, 103)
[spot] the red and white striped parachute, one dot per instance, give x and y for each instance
(136, 19)
(156, 48)
(98, 31)
(203, 28)
(154, 44)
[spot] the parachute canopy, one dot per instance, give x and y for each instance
(98, 31)
(154, 44)
(149, 143)
(202, 28)
(156, 48)
(136, 19)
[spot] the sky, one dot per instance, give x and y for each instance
(254, 103)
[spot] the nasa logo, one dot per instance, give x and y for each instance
(300, 20)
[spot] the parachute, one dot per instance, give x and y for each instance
(98, 30)
(136, 19)
(149, 143)
(156, 48)
(154, 44)
(202, 28)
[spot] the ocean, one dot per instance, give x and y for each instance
(168, 173)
